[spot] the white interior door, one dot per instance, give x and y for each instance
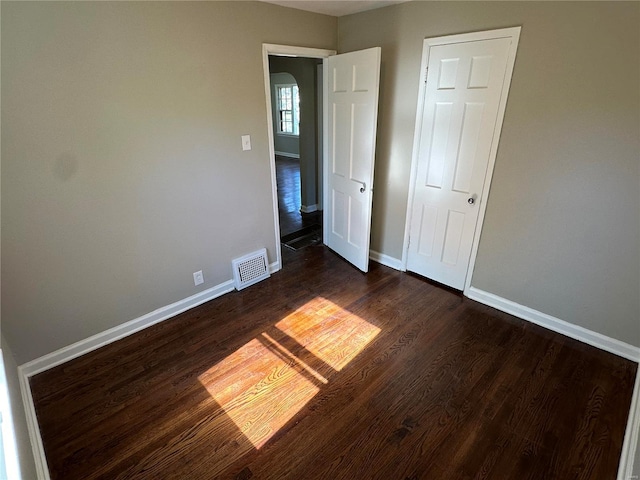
(464, 98)
(352, 83)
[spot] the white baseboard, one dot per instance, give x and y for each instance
(101, 339)
(287, 154)
(595, 339)
(274, 267)
(622, 349)
(42, 470)
(631, 434)
(386, 260)
(77, 349)
(94, 342)
(309, 208)
(116, 333)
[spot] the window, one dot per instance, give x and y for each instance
(288, 99)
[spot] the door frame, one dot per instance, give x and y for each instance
(428, 43)
(285, 51)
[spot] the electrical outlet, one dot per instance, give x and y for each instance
(198, 278)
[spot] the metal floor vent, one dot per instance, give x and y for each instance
(250, 269)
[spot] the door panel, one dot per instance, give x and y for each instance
(437, 155)
(338, 218)
(341, 140)
(352, 98)
(428, 224)
(462, 97)
(469, 139)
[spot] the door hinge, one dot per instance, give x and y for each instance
(426, 73)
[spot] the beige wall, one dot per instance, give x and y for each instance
(122, 171)
(122, 167)
(562, 229)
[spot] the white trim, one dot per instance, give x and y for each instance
(631, 434)
(116, 333)
(295, 114)
(42, 470)
(293, 51)
(325, 149)
(622, 349)
(53, 359)
(576, 332)
(287, 154)
(289, 51)
(285, 134)
(509, 32)
(274, 267)
(320, 133)
(386, 260)
(99, 340)
(514, 34)
(309, 208)
(10, 451)
(414, 156)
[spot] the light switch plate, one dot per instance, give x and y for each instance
(246, 142)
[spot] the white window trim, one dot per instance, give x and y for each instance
(295, 113)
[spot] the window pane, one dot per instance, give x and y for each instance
(288, 103)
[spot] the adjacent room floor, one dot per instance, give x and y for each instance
(296, 229)
(321, 372)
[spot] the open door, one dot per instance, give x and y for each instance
(352, 83)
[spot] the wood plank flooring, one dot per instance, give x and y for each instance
(321, 372)
(288, 182)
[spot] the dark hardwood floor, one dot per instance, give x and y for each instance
(321, 372)
(288, 182)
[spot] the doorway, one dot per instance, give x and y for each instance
(350, 85)
(297, 199)
(296, 107)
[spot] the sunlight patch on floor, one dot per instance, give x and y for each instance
(259, 390)
(328, 331)
(264, 384)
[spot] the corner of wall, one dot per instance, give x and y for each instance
(23, 444)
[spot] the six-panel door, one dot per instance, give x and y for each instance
(463, 92)
(352, 97)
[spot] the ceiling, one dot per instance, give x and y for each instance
(335, 8)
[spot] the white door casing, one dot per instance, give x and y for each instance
(458, 125)
(351, 81)
(289, 51)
